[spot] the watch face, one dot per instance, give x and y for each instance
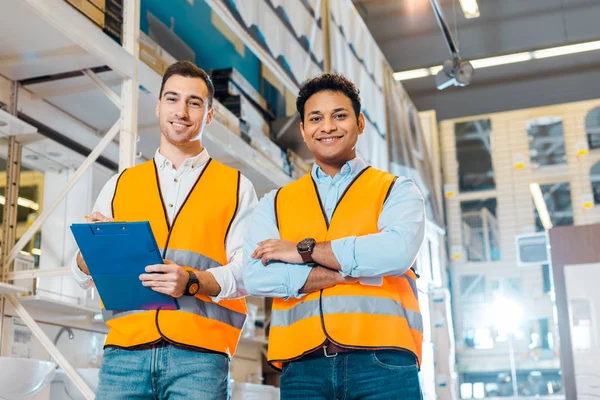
(306, 244)
(193, 289)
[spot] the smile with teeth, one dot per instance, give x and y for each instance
(329, 139)
(178, 125)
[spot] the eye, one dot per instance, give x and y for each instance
(171, 99)
(339, 116)
(315, 119)
(195, 104)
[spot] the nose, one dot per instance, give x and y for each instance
(328, 125)
(182, 111)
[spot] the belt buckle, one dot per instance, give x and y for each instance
(328, 355)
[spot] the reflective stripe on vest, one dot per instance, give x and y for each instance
(194, 239)
(346, 305)
(353, 315)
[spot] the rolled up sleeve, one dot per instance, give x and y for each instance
(391, 251)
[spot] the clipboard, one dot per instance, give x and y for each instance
(116, 253)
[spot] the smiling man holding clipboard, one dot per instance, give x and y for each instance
(196, 209)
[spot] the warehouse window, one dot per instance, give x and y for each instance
(472, 288)
(547, 278)
(480, 230)
(595, 181)
(474, 155)
(557, 197)
(546, 141)
(592, 128)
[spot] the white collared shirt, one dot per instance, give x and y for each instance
(175, 184)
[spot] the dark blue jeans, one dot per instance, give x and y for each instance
(364, 375)
(163, 373)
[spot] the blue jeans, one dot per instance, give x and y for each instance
(166, 372)
(364, 375)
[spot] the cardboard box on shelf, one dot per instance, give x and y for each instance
(100, 4)
(88, 9)
(154, 55)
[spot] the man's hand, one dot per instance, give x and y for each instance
(95, 217)
(277, 250)
(172, 281)
(98, 217)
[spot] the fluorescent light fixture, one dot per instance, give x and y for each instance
(500, 60)
(565, 50)
(506, 59)
(435, 70)
(23, 203)
(540, 205)
(470, 8)
(415, 73)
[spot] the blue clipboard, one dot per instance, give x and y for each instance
(116, 253)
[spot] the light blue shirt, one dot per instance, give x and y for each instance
(390, 252)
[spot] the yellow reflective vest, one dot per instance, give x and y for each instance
(350, 315)
(195, 239)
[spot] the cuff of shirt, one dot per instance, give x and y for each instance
(223, 278)
(343, 250)
(84, 280)
(297, 279)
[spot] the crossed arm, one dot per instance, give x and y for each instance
(273, 267)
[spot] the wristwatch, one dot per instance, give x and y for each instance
(193, 285)
(305, 248)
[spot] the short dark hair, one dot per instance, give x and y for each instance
(188, 69)
(328, 82)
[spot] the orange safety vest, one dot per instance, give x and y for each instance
(195, 239)
(350, 315)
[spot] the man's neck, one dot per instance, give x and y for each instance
(332, 168)
(178, 155)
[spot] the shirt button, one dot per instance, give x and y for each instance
(168, 163)
(329, 210)
(171, 205)
(176, 180)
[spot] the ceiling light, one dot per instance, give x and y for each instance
(435, 70)
(470, 8)
(23, 203)
(501, 60)
(36, 252)
(506, 59)
(540, 205)
(415, 73)
(564, 50)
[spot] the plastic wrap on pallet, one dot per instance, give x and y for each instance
(287, 30)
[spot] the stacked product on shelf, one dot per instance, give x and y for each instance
(106, 14)
(153, 55)
(113, 20)
(298, 166)
(238, 95)
(234, 92)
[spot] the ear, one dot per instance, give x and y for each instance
(209, 115)
(302, 132)
(361, 123)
